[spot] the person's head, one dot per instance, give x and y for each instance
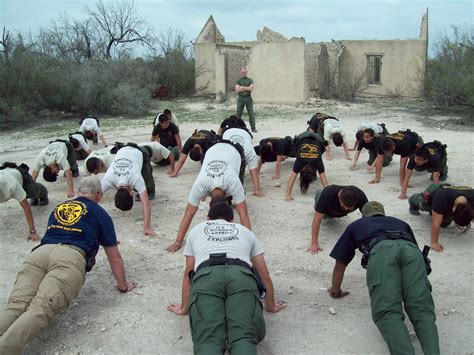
(124, 198)
(462, 216)
(89, 187)
(168, 113)
(368, 135)
(196, 153)
(265, 151)
(359, 135)
(422, 155)
(337, 139)
(221, 210)
(373, 208)
(94, 165)
(348, 198)
(75, 143)
(388, 145)
(89, 134)
(50, 173)
(307, 176)
(164, 121)
(243, 72)
(216, 195)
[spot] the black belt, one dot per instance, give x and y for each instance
(222, 261)
(387, 235)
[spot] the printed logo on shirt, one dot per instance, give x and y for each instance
(431, 151)
(237, 139)
(457, 187)
(398, 136)
(122, 166)
(199, 136)
(221, 232)
(51, 150)
(216, 168)
(69, 213)
(309, 151)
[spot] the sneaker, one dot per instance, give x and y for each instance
(414, 211)
(34, 202)
(43, 201)
(254, 130)
(151, 195)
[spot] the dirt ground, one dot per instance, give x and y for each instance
(101, 320)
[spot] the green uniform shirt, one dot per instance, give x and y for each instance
(245, 82)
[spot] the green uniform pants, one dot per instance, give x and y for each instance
(246, 101)
(147, 170)
(387, 158)
(48, 281)
(81, 154)
(417, 201)
(33, 189)
(225, 311)
(396, 273)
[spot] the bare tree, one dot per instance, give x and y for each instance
(6, 44)
(120, 23)
(173, 43)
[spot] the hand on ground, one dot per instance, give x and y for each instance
(275, 177)
(314, 248)
(150, 232)
(374, 181)
(402, 196)
(173, 247)
(176, 308)
(258, 193)
(34, 237)
(353, 167)
(288, 198)
(277, 306)
(437, 247)
(337, 293)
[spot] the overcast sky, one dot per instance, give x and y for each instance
(314, 20)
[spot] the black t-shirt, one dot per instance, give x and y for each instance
(167, 136)
(281, 146)
(361, 231)
(310, 151)
(203, 138)
(443, 201)
(405, 143)
(233, 123)
(434, 161)
(328, 202)
(373, 147)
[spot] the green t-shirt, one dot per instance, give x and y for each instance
(245, 82)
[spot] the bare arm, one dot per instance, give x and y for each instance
(183, 227)
(346, 151)
(182, 309)
(328, 152)
(354, 162)
(435, 176)
(171, 170)
(29, 220)
(34, 174)
(406, 180)
(436, 220)
(315, 227)
(88, 151)
(337, 277)
(70, 184)
(324, 180)
(118, 269)
(378, 169)
(178, 141)
(182, 159)
(243, 214)
(278, 167)
(271, 306)
(102, 139)
(147, 230)
(401, 170)
(289, 187)
(255, 182)
(259, 166)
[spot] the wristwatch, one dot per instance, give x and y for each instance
(33, 231)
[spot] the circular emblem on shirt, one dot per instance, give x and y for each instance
(216, 168)
(69, 212)
(237, 139)
(122, 166)
(221, 230)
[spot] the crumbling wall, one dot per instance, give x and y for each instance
(311, 55)
(236, 58)
(205, 68)
(266, 35)
(324, 80)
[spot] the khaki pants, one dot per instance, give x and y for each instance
(50, 278)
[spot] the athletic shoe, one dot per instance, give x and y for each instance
(43, 201)
(254, 130)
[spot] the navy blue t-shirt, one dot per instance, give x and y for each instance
(82, 223)
(361, 231)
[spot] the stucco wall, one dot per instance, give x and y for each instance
(205, 66)
(278, 71)
(402, 63)
(236, 58)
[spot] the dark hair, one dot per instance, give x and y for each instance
(423, 153)
(216, 194)
(48, 175)
(337, 139)
(307, 176)
(359, 135)
(74, 142)
(221, 210)
(92, 164)
(462, 216)
(162, 118)
(195, 154)
(89, 134)
(369, 131)
(265, 151)
(349, 196)
(388, 144)
(166, 111)
(148, 150)
(123, 199)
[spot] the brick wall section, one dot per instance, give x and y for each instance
(236, 58)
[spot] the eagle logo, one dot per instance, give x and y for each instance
(69, 213)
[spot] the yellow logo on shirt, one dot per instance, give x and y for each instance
(309, 151)
(69, 212)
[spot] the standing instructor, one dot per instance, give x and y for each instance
(244, 88)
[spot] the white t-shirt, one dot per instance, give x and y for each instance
(378, 129)
(11, 185)
(220, 168)
(125, 170)
(332, 126)
(173, 119)
(220, 236)
(90, 124)
(104, 155)
(82, 142)
(242, 137)
(53, 153)
(159, 152)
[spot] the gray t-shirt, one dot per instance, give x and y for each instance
(53, 153)
(220, 168)
(90, 124)
(11, 185)
(158, 151)
(82, 142)
(242, 137)
(220, 236)
(104, 155)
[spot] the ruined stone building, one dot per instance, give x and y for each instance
(291, 70)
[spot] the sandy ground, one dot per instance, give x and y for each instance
(101, 320)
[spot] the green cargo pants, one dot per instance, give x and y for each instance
(81, 154)
(246, 101)
(71, 159)
(147, 170)
(417, 202)
(50, 278)
(387, 158)
(225, 311)
(396, 273)
(33, 189)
